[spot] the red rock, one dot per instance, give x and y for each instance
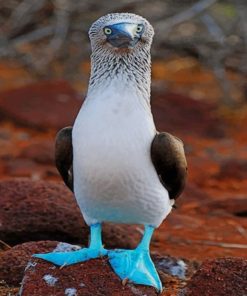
(233, 169)
(233, 206)
(19, 167)
(8, 291)
(43, 105)
(192, 193)
(28, 168)
(41, 210)
(48, 210)
(177, 114)
(41, 152)
(94, 277)
(221, 277)
(14, 260)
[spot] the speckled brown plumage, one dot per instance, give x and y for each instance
(64, 155)
(167, 153)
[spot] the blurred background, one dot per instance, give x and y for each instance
(199, 93)
(199, 47)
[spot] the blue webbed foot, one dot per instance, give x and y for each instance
(95, 250)
(68, 258)
(135, 266)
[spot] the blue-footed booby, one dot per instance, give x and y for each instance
(118, 166)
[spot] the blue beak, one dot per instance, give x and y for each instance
(123, 35)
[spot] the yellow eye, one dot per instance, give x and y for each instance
(107, 31)
(139, 28)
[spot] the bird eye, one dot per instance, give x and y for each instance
(139, 28)
(107, 31)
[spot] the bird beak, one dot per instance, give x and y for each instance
(123, 35)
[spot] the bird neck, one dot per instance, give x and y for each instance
(132, 72)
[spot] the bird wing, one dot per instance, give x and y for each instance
(168, 157)
(64, 155)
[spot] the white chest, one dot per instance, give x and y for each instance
(114, 178)
(113, 129)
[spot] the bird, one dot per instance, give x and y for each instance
(119, 167)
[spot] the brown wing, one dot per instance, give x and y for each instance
(167, 153)
(64, 155)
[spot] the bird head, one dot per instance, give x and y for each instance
(121, 32)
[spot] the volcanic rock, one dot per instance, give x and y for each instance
(41, 152)
(43, 105)
(14, 260)
(41, 210)
(94, 277)
(221, 277)
(177, 113)
(233, 169)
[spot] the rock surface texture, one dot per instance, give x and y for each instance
(14, 261)
(41, 210)
(221, 277)
(40, 105)
(94, 277)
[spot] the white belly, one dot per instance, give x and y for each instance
(114, 178)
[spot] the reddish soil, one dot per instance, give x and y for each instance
(223, 276)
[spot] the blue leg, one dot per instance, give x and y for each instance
(137, 265)
(94, 250)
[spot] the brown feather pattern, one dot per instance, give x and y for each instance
(64, 155)
(168, 157)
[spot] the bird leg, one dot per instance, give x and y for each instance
(136, 265)
(94, 250)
